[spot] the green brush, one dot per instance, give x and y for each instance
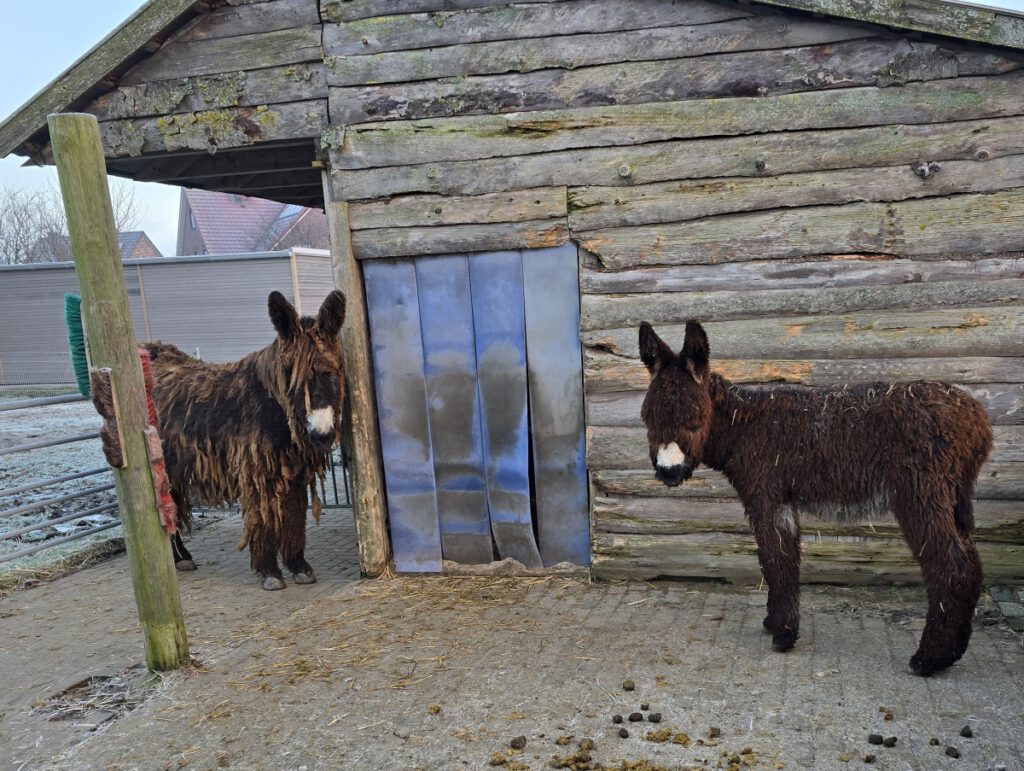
(76, 342)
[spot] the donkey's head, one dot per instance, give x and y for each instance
(677, 409)
(307, 372)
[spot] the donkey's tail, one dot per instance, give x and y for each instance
(964, 511)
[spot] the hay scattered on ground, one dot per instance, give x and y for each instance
(113, 695)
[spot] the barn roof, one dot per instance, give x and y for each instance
(98, 71)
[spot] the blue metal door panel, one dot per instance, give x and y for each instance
(557, 422)
(449, 353)
(498, 315)
(394, 316)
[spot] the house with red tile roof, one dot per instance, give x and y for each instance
(210, 222)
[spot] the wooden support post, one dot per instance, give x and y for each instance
(366, 467)
(78, 154)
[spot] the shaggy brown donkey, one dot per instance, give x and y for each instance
(839, 453)
(257, 431)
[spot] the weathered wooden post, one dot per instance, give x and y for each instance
(367, 472)
(108, 324)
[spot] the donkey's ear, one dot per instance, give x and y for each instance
(332, 313)
(282, 315)
(695, 347)
(653, 350)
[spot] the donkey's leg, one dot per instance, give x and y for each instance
(778, 550)
(261, 535)
(182, 558)
(293, 535)
(951, 570)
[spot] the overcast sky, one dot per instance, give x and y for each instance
(36, 47)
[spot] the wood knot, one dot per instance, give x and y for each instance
(982, 154)
(760, 164)
(925, 170)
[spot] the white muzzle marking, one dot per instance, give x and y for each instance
(670, 456)
(321, 421)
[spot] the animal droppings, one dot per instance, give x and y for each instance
(645, 706)
(635, 717)
(966, 732)
(562, 741)
(498, 759)
(890, 742)
(654, 717)
(714, 732)
(934, 742)
(659, 736)
(628, 685)
(875, 739)
(953, 752)
(870, 758)
(518, 743)
(587, 745)
(623, 733)
(616, 719)
(434, 709)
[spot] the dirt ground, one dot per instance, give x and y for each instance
(443, 673)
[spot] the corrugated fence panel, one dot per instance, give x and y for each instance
(315, 279)
(181, 304)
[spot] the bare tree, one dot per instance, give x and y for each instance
(33, 227)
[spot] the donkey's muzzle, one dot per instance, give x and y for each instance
(673, 476)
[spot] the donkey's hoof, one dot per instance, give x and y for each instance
(184, 566)
(784, 640)
(306, 577)
(926, 666)
(273, 583)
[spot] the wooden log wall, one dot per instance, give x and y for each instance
(243, 73)
(837, 201)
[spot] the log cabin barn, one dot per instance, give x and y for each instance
(834, 187)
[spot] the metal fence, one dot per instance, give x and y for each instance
(335, 491)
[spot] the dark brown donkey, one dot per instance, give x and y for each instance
(840, 453)
(257, 431)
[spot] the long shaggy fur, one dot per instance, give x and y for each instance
(241, 432)
(839, 453)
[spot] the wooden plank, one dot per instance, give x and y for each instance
(781, 152)
(434, 210)
(360, 427)
(606, 372)
(555, 370)
(605, 207)
(486, 136)
(626, 448)
(394, 318)
(513, 21)
(751, 33)
(350, 10)
(999, 521)
(986, 25)
(840, 271)
(1003, 402)
(761, 73)
(449, 356)
(496, 282)
(993, 331)
(957, 225)
(999, 480)
(71, 86)
(628, 310)
(249, 19)
(235, 127)
(400, 242)
(241, 88)
(238, 161)
(734, 558)
(230, 54)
